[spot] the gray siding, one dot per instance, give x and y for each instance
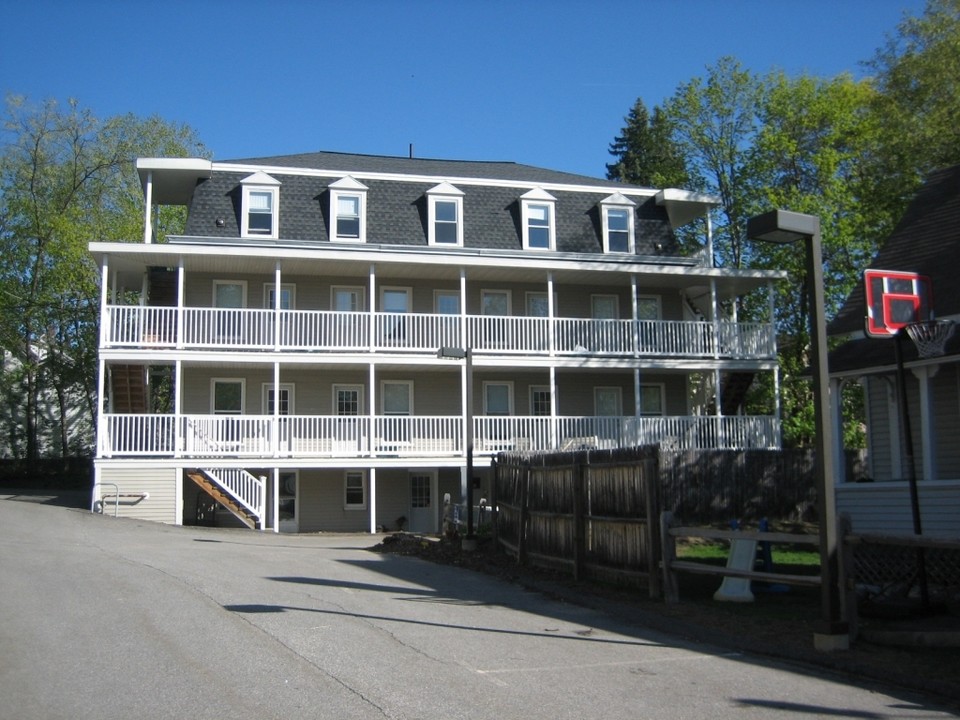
(160, 484)
(884, 507)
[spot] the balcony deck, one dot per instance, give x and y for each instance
(128, 326)
(319, 436)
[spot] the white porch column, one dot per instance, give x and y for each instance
(634, 315)
(275, 432)
(464, 340)
(373, 306)
(553, 408)
(373, 501)
(715, 313)
(148, 209)
(928, 425)
(277, 305)
(709, 247)
(181, 275)
(180, 430)
(371, 406)
(551, 314)
(275, 515)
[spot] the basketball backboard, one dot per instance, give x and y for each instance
(894, 300)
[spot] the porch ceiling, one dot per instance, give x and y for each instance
(129, 261)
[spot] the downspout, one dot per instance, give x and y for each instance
(148, 209)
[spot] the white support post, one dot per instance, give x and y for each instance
(635, 314)
(836, 442)
(148, 209)
(928, 426)
(262, 510)
(275, 519)
(276, 307)
(180, 429)
(275, 432)
(373, 501)
(373, 306)
(464, 341)
(551, 315)
(181, 291)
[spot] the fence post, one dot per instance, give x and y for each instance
(579, 520)
(847, 579)
(671, 588)
(524, 515)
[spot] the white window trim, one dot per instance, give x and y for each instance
(406, 290)
(348, 187)
(657, 299)
(618, 201)
(213, 394)
(265, 396)
(539, 388)
(437, 294)
(538, 197)
(383, 394)
(494, 291)
(355, 506)
(260, 182)
(616, 305)
(243, 289)
(659, 387)
(509, 386)
(268, 288)
(447, 193)
(360, 290)
(619, 394)
(337, 387)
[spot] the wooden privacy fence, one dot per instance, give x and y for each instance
(591, 513)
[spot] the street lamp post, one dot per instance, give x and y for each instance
(465, 354)
(782, 226)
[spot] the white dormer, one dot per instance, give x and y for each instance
(445, 215)
(538, 216)
(260, 206)
(617, 216)
(348, 210)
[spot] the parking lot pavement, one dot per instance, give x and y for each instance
(111, 618)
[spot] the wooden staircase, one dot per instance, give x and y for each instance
(733, 391)
(217, 493)
(128, 385)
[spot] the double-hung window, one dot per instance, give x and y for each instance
(538, 218)
(348, 202)
(355, 490)
(445, 215)
(260, 206)
(618, 226)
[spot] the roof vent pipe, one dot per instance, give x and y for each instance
(411, 151)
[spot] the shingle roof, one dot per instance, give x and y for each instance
(926, 241)
(351, 163)
(397, 210)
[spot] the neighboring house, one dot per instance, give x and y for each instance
(58, 434)
(927, 242)
(283, 355)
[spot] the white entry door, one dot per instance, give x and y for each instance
(424, 513)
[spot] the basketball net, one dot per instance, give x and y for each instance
(930, 336)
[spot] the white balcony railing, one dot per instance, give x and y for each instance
(260, 436)
(327, 331)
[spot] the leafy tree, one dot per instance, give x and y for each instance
(66, 178)
(713, 122)
(917, 76)
(645, 152)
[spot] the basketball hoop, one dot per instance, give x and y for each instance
(930, 336)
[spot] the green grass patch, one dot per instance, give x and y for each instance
(715, 552)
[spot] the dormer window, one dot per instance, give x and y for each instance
(348, 207)
(617, 211)
(538, 217)
(445, 215)
(260, 205)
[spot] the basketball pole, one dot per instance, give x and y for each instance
(911, 468)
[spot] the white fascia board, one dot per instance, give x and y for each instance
(684, 206)
(173, 179)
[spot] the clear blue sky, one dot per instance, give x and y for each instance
(543, 83)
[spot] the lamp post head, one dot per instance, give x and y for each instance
(452, 353)
(782, 226)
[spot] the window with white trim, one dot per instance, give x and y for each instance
(604, 307)
(540, 400)
(537, 210)
(270, 395)
(497, 398)
(648, 307)
(607, 402)
(445, 215)
(446, 302)
(651, 400)
(226, 396)
(288, 295)
(260, 206)
(354, 490)
(348, 205)
(618, 227)
(347, 299)
(347, 400)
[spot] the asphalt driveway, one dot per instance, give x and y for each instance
(112, 618)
